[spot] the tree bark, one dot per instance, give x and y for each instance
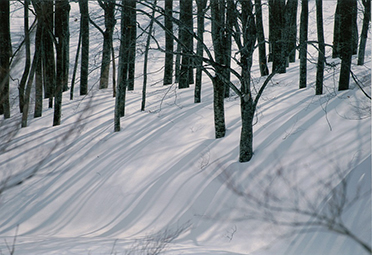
(110, 21)
(5, 53)
(264, 70)
(84, 28)
(277, 36)
(22, 84)
(201, 5)
(291, 29)
(364, 33)
(246, 135)
(346, 41)
(186, 39)
(168, 23)
(303, 42)
(321, 51)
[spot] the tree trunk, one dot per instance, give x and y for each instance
(5, 53)
(201, 5)
(337, 32)
(132, 43)
(168, 23)
(218, 107)
(84, 28)
(303, 43)
(246, 135)
(321, 51)
(62, 34)
(264, 70)
(39, 79)
(186, 39)
(75, 67)
(346, 41)
(145, 61)
(230, 15)
(291, 29)
(109, 9)
(26, 70)
(277, 36)
(364, 33)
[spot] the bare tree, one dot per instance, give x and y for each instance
(321, 50)
(303, 44)
(364, 33)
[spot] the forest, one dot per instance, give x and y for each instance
(264, 105)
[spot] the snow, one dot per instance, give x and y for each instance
(100, 192)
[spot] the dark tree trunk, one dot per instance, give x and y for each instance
(168, 23)
(346, 41)
(201, 5)
(230, 9)
(62, 35)
(303, 43)
(277, 36)
(84, 29)
(246, 135)
(39, 78)
(110, 21)
(177, 64)
(364, 33)
(132, 44)
(35, 63)
(321, 51)
(337, 32)
(355, 29)
(122, 67)
(186, 39)
(75, 67)
(264, 70)
(291, 29)
(218, 107)
(217, 11)
(22, 84)
(47, 56)
(5, 53)
(145, 61)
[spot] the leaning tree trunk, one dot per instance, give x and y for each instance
(321, 50)
(346, 41)
(303, 43)
(364, 33)
(168, 23)
(264, 70)
(5, 52)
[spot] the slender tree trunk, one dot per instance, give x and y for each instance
(264, 70)
(5, 53)
(132, 43)
(321, 52)
(177, 64)
(230, 15)
(75, 67)
(168, 23)
(303, 43)
(145, 61)
(39, 77)
(364, 33)
(26, 70)
(218, 107)
(355, 36)
(34, 65)
(201, 5)
(346, 41)
(84, 29)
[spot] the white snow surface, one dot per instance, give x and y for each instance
(100, 192)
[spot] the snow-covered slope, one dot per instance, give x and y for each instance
(100, 192)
